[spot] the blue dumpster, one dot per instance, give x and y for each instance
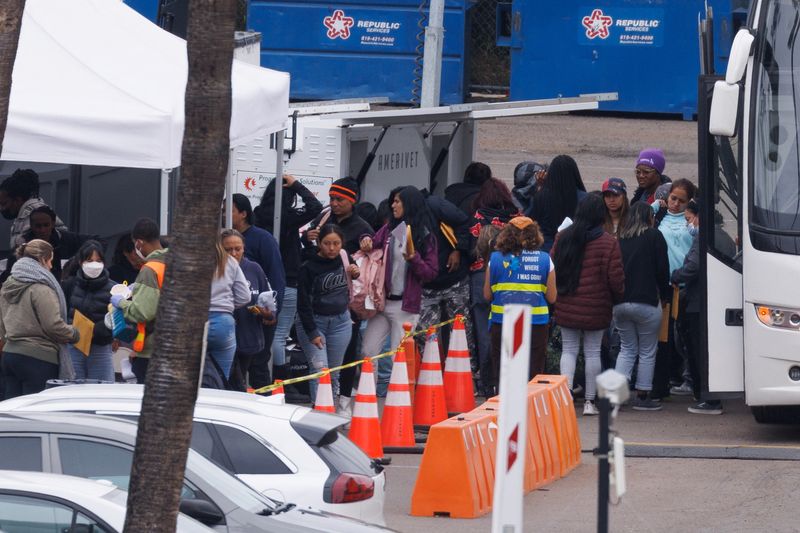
(357, 49)
(646, 50)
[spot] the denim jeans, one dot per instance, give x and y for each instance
(283, 327)
(98, 365)
(221, 339)
(570, 346)
(480, 326)
(335, 331)
(638, 326)
(387, 324)
(24, 374)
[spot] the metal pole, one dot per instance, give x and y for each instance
(276, 221)
(229, 193)
(603, 471)
(163, 216)
(432, 59)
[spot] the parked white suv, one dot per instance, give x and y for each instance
(287, 452)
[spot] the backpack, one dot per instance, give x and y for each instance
(368, 292)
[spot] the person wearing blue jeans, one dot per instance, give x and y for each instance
(229, 290)
(98, 365)
(335, 332)
(638, 315)
(286, 317)
(324, 326)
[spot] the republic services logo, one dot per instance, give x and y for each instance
(250, 183)
(338, 25)
(597, 24)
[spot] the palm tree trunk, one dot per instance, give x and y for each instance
(10, 24)
(165, 425)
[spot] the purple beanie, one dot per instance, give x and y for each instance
(653, 158)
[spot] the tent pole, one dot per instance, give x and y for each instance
(229, 193)
(164, 207)
(276, 223)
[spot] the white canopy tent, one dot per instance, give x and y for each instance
(95, 83)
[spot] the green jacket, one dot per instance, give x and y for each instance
(30, 322)
(143, 304)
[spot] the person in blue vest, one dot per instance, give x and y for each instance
(520, 273)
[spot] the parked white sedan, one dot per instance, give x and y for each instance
(287, 452)
(36, 501)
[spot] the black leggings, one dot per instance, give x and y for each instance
(25, 374)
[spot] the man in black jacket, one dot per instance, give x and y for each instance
(463, 194)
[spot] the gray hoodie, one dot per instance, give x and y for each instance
(30, 322)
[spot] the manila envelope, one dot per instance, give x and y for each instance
(86, 329)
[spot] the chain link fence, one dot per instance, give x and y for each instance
(489, 64)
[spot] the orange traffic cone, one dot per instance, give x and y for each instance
(459, 392)
(429, 405)
(277, 394)
(365, 429)
(412, 356)
(397, 424)
(324, 400)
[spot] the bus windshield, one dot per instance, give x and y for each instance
(775, 198)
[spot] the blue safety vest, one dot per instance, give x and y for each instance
(519, 280)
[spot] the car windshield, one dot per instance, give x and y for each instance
(239, 493)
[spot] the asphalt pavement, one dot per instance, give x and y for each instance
(698, 491)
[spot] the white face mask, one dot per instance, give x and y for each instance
(139, 253)
(92, 269)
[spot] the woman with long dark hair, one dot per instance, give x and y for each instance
(292, 219)
(408, 266)
(638, 316)
(561, 192)
(492, 208)
(88, 292)
(590, 280)
(615, 196)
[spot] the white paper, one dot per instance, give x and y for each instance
(399, 233)
(565, 224)
(126, 369)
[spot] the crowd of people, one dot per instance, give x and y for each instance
(614, 278)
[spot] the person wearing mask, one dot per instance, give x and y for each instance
(88, 292)
(141, 308)
(229, 291)
(448, 294)
(33, 327)
(615, 196)
(520, 273)
(649, 173)
(250, 319)
(638, 316)
(408, 265)
(125, 264)
(561, 192)
(262, 248)
(590, 279)
(343, 195)
(292, 219)
(324, 326)
(463, 194)
(493, 208)
(19, 196)
(43, 221)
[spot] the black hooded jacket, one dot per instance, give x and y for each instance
(91, 298)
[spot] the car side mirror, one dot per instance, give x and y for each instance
(725, 101)
(201, 510)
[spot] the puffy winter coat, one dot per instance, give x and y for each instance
(601, 286)
(91, 298)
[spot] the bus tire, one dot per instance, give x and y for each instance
(776, 414)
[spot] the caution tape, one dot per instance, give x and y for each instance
(317, 375)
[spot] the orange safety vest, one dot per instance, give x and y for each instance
(159, 268)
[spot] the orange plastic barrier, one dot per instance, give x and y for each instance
(566, 425)
(456, 475)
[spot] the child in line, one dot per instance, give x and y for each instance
(324, 326)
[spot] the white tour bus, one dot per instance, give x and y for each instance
(750, 182)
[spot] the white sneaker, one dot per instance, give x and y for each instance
(344, 406)
(589, 409)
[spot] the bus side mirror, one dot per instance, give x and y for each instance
(724, 109)
(725, 101)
